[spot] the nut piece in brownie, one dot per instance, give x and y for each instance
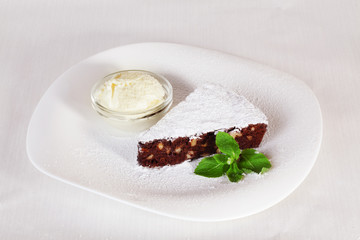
(188, 131)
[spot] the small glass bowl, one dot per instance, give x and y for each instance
(137, 120)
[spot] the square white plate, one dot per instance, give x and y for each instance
(70, 142)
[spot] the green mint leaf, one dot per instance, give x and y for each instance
(234, 173)
(221, 158)
(264, 170)
(227, 144)
(246, 171)
(253, 160)
(211, 168)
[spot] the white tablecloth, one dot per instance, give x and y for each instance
(317, 41)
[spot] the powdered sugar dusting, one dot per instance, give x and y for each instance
(210, 107)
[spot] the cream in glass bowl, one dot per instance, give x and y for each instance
(132, 100)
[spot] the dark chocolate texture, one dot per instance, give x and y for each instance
(162, 152)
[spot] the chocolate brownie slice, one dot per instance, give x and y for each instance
(188, 131)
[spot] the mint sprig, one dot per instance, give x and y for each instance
(233, 162)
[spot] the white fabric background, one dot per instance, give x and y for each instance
(317, 41)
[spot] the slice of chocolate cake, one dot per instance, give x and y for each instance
(188, 131)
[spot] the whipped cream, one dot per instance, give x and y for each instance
(130, 92)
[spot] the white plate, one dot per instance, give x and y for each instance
(68, 141)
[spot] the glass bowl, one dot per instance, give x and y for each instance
(134, 120)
